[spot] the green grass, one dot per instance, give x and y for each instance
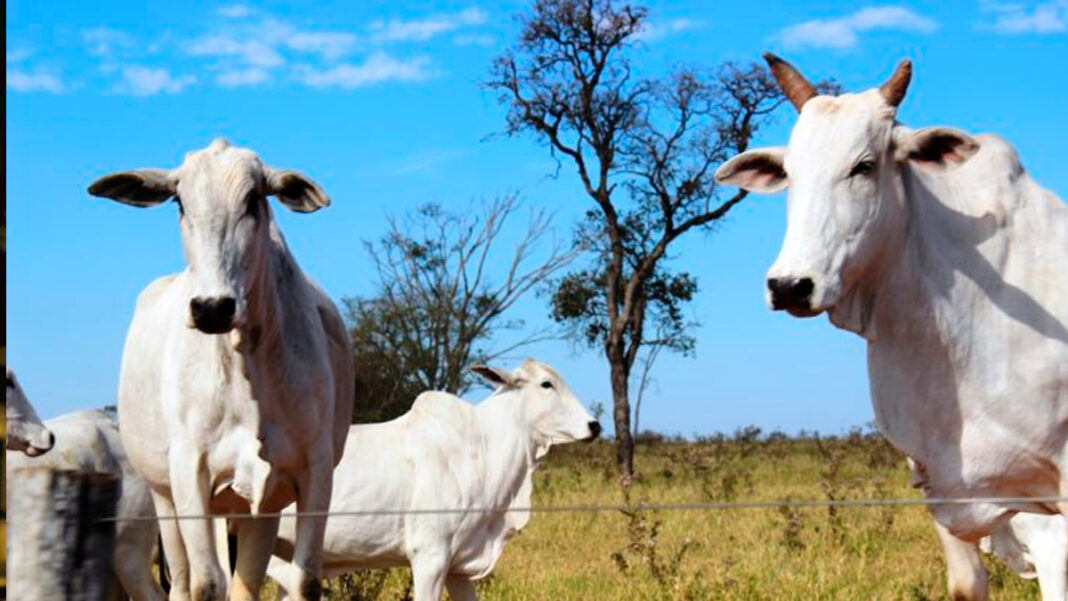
(747, 554)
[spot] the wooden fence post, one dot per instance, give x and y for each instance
(58, 549)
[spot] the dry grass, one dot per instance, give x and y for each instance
(750, 554)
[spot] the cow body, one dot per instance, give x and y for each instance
(236, 383)
(940, 250)
(967, 337)
(445, 454)
(89, 441)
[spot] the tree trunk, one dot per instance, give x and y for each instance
(621, 417)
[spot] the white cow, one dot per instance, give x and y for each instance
(446, 454)
(25, 432)
(235, 393)
(89, 441)
(939, 249)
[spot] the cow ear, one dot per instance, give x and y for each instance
(938, 147)
(758, 170)
(296, 190)
(496, 377)
(139, 188)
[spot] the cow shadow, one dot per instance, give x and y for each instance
(950, 246)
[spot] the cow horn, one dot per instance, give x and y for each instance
(793, 84)
(894, 89)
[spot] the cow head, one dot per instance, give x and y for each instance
(843, 167)
(545, 403)
(25, 432)
(221, 192)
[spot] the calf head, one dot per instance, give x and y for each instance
(25, 432)
(544, 402)
(846, 207)
(221, 193)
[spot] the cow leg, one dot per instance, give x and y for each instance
(965, 573)
(191, 491)
(173, 547)
(1049, 554)
(255, 541)
(301, 576)
(429, 567)
(133, 567)
(460, 588)
(132, 560)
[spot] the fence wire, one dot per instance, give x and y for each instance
(618, 507)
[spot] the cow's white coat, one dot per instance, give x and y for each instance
(953, 264)
(247, 419)
(446, 454)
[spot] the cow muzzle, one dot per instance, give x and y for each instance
(38, 449)
(793, 295)
(213, 315)
(595, 430)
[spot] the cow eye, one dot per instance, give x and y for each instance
(862, 168)
(10, 382)
(547, 384)
(252, 202)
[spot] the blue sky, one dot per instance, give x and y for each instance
(381, 105)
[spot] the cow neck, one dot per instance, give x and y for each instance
(509, 448)
(915, 318)
(267, 301)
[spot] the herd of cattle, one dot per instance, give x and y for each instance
(236, 383)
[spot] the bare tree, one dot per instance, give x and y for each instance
(645, 151)
(446, 282)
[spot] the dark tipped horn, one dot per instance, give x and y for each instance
(894, 89)
(793, 84)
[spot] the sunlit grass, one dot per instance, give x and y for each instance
(744, 554)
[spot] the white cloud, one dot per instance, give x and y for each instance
(425, 161)
(396, 30)
(330, 45)
(474, 39)
(379, 67)
(104, 41)
(17, 55)
(842, 32)
(38, 81)
(236, 11)
(145, 81)
(242, 77)
(654, 31)
(1011, 17)
(254, 53)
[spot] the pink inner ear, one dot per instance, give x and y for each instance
(763, 179)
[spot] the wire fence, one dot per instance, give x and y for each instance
(1009, 502)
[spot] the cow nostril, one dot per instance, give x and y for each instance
(790, 293)
(213, 315)
(227, 306)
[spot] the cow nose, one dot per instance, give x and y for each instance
(791, 293)
(213, 315)
(595, 429)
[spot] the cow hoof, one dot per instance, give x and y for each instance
(207, 591)
(311, 590)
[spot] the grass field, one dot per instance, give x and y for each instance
(751, 554)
